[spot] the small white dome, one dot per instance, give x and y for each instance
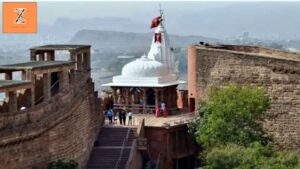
(144, 67)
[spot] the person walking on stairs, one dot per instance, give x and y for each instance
(110, 115)
(124, 116)
(120, 116)
(129, 118)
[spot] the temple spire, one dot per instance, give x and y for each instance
(161, 49)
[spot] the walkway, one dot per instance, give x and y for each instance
(172, 120)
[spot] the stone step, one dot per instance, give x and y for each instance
(107, 148)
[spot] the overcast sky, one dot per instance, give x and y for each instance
(49, 11)
(214, 19)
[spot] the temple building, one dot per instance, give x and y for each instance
(149, 82)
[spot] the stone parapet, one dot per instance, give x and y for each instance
(63, 128)
(279, 75)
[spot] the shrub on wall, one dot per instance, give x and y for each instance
(254, 156)
(229, 128)
(59, 164)
(232, 115)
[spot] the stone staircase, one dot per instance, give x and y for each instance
(109, 151)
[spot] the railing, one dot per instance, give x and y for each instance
(135, 158)
(141, 129)
(182, 118)
(122, 149)
(158, 161)
(148, 109)
(150, 120)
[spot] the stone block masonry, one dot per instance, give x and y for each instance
(53, 113)
(67, 133)
(277, 71)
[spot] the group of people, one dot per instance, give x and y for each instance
(161, 110)
(121, 114)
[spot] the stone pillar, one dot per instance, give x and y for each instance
(126, 97)
(41, 56)
(24, 76)
(12, 103)
(32, 96)
(61, 81)
(72, 55)
(79, 61)
(114, 90)
(156, 97)
(72, 76)
(8, 76)
(168, 97)
(162, 94)
(120, 97)
(29, 98)
(144, 99)
(50, 56)
(32, 77)
(32, 55)
(47, 86)
(88, 59)
(64, 80)
(84, 60)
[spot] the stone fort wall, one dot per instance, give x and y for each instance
(277, 71)
(63, 128)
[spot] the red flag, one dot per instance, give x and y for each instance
(157, 111)
(155, 22)
(157, 37)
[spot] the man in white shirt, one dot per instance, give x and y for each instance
(129, 118)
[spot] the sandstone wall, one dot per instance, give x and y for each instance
(64, 128)
(281, 78)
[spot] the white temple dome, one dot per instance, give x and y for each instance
(144, 67)
(154, 70)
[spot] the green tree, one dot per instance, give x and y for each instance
(231, 115)
(59, 164)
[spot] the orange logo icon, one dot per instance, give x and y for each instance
(19, 17)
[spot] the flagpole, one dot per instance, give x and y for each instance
(161, 14)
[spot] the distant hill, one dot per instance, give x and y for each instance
(264, 20)
(63, 29)
(98, 23)
(108, 40)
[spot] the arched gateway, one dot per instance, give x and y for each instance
(148, 83)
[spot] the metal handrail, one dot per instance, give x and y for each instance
(54, 84)
(39, 99)
(122, 150)
(43, 95)
(158, 161)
